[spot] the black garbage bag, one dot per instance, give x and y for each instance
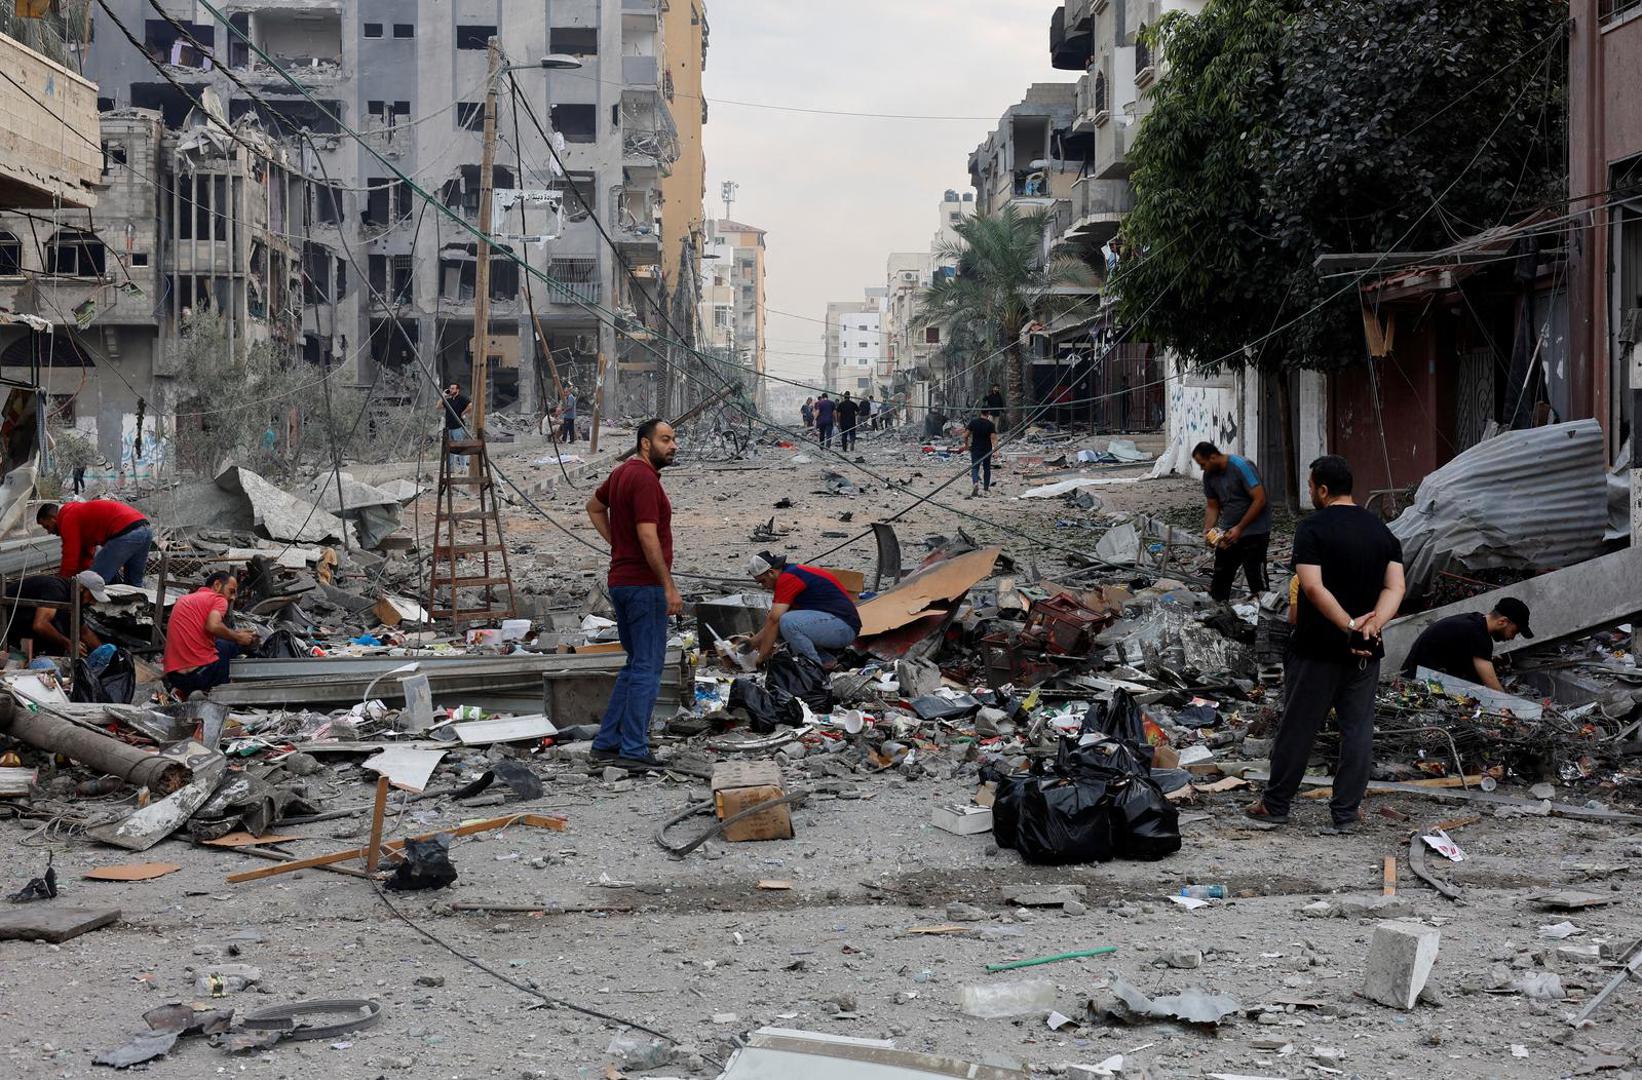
(1121, 719)
(1065, 820)
(1109, 757)
(764, 710)
(280, 645)
(1145, 824)
(799, 677)
(115, 684)
(427, 865)
(1007, 792)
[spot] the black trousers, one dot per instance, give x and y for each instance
(846, 434)
(1310, 689)
(1247, 554)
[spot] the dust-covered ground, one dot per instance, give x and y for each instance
(695, 949)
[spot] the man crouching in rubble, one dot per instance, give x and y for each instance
(812, 610)
(631, 511)
(1350, 568)
(199, 643)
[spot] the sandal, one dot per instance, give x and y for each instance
(1259, 813)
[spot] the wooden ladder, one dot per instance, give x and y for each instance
(452, 542)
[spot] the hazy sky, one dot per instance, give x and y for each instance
(839, 193)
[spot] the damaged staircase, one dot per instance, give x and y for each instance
(467, 543)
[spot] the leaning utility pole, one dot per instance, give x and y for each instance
(448, 550)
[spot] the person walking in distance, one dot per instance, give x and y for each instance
(631, 511)
(869, 419)
(978, 436)
(994, 400)
(1350, 568)
(824, 410)
(455, 408)
(849, 411)
(1236, 519)
(807, 411)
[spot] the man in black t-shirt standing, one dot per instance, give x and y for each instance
(1463, 645)
(848, 410)
(455, 408)
(978, 436)
(1350, 568)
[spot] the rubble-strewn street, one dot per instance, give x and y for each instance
(871, 922)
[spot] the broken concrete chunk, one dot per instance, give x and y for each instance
(1045, 895)
(1400, 958)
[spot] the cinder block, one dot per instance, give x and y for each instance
(1400, 958)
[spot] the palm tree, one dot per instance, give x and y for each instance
(1003, 282)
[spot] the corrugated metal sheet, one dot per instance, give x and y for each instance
(1533, 499)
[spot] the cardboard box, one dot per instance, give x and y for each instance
(740, 785)
(962, 820)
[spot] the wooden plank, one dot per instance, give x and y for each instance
(540, 821)
(378, 813)
(52, 922)
(131, 872)
(245, 840)
(1434, 782)
(1390, 876)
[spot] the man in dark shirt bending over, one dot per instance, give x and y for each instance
(1463, 645)
(1350, 568)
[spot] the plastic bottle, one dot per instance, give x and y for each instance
(1204, 892)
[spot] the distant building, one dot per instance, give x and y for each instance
(739, 265)
(854, 343)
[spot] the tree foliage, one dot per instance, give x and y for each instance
(1004, 281)
(1284, 129)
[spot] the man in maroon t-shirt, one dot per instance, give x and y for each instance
(632, 513)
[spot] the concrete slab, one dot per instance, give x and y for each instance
(1400, 958)
(46, 921)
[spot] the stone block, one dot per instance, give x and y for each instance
(1400, 958)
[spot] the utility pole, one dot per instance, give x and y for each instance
(481, 272)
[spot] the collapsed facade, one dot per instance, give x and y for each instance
(316, 245)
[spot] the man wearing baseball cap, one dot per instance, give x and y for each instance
(48, 627)
(812, 613)
(1463, 645)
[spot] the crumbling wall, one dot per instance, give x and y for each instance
(1199, 408)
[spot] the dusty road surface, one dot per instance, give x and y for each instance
(697, 950)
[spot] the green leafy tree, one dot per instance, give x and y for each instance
(1003, 283)
(1285, 129)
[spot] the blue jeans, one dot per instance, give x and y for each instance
(204, 678)
(567, 430)
(123, 559)
(808, 632)
(641, 623)
(976, 467)
(458, 462)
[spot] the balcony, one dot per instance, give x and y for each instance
(43, 162)
(1094, 102)
(1080, 15)
(640, 71)
(1097, 211)
(1069, 50)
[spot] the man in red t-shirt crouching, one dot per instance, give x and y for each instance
(198, 643)
(632, 512)
(812, 612)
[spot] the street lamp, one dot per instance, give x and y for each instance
(550, 62)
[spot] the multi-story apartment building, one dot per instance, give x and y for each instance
(907, 276)
(739, 251)
(683, 219)
(387, 277)
(853, 342)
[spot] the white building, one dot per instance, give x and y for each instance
(860, 344)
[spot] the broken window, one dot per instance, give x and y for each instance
(139, 258)
(577, 123)
(474, 37)
(289, 116)
(932, 335)
(113, 154)
(163, 98)
(401, 278)
(376, 202)
(11, 255)
(504, 278)
(573, 280)
(578, 196)
(455, 275)
(574, 40)
(378, 274)
(300, 37)
(326, 203)
(239, 53)
(73, 253)
(316, 274)
(462, 191)
(105, 104)
(470, 115)
(393, 342)
(166, 44)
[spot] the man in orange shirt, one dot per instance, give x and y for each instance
(102, 535)
(198, 643)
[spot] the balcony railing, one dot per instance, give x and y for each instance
(1614, 9)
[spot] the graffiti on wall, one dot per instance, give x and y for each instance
(1198, 411)
(138, 460)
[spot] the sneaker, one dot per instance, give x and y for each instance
(601, 757)
(647, 763)
(1340, 828)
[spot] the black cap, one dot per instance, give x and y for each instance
(1517, 612)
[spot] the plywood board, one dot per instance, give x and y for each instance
(928, 590)
(52, 922)
(14, 782)
(405, 768)
(131, 872)
(245, 839)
